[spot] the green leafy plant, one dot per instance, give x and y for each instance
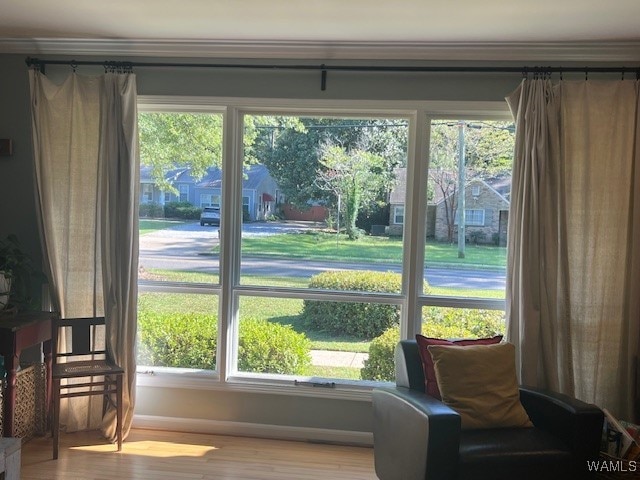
(188, 340)
(438, 322)
(18, 266)
(380, 365)
(362, 320)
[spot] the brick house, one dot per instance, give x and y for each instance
(487, 210)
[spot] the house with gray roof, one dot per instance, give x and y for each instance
(259, 190)
(486, 210)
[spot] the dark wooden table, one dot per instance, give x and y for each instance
(17, 333)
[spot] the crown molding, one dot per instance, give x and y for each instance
(424, 51)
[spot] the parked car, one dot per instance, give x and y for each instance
(210, 216)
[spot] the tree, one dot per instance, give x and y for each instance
(292, 155)
(179, 140)
(193, 141)
(356, 177)
(489, 152)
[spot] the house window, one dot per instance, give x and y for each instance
(474, 216)
(286, 288)
(452, 307)
(178, 299)
(147, 193)
(183, 193)
(209, 200)
(398, 215)
(325, 164)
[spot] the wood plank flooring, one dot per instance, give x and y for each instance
(151, 454)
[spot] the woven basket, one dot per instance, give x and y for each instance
(29, 415)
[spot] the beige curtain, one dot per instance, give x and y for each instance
(573, 277)
(86, 164)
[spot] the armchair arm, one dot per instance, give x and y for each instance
(415, 436)
(577, 423)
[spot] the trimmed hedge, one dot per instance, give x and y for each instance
(184, 210)
(151, 210)
(363, 320)
(265, 347)
(380, 365)
(189, 340)
(438, 322)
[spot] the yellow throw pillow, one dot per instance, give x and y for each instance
(479, 382)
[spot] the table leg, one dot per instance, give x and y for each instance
(11, 363)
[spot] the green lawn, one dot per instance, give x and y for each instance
(147, 225)
(285, 311)
(324, 246)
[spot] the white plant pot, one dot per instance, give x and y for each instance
(5, 288)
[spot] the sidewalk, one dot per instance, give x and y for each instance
(328, 358)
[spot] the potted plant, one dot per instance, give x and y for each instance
(17, 273)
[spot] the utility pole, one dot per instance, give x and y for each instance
(461, 188)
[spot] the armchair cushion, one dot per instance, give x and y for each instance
(430, 381)
(479, 382)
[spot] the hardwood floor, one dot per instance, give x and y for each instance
(150, 454)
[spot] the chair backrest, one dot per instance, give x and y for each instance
(409, 371)
(83, 336)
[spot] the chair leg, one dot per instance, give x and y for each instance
(55, 421)
(119, 409)
(105, 395)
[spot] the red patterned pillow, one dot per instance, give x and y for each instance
(430, 383)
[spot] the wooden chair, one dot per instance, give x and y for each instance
(84, 357)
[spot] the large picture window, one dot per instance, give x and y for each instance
(336, 237)
(465, 267)
(179, 271)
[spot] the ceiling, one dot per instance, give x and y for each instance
(326, 23)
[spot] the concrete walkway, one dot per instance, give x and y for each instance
(328, 358)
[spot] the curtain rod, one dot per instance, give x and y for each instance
(111, 65)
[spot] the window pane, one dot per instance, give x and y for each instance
(327, 188)
(468, 261)
(457, 323)
(177, 330)
(320, 339)
(180, 172)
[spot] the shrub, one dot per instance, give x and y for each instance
(189, 340)
(177, 339)
(380, 365)
(151, 210)
(439, 322)
(183, 210)
(443, 322)
(363, 320)
(265, 347)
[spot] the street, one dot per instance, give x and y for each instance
(187, 247)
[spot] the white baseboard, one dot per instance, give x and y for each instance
(280, 432)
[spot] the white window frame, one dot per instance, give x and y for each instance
(475, 190)
(474, 217)
(147, 193)
(398, 211)
(183, 190)
(412, 299)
